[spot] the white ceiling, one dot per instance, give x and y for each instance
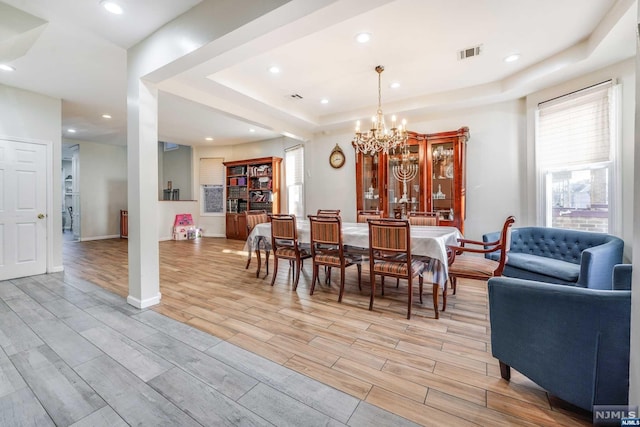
(80, 57)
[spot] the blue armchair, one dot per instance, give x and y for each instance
(573, 342)
(568, 257)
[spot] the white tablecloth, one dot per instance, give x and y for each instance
(425, 241)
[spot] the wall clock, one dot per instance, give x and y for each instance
(336, 158)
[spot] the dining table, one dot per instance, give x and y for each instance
(426, 241)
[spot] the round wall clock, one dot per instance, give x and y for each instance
(336, 158)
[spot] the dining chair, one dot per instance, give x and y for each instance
(327, 250)
(390, 255)
(476, 267)
(363, 216)
(284, 243)
(424, 218)
(255, 217)
(328, 212)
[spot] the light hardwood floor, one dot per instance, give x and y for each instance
(433, 372)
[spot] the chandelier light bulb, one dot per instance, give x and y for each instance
(379, 138)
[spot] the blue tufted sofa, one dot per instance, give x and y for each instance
(571, 341)
(567, 257)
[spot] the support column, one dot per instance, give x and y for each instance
(142, 166)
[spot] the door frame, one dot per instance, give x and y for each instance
(52, 215)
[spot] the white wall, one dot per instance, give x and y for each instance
(103, 189)
(29, 116)
(494, 161)
(175, 166)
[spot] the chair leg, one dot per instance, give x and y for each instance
(410, 288)
(259, 262)
(372, 280)
(266, 263)
(296, 274)
(454, 284)
(444, 298)
(341, 284)
(435, 299)
(359, 277)
(275, 270)
(397, 283)
(505, 370)
(421, 283)
(382, 285)
(316, 270)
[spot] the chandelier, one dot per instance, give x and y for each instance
(379, 138)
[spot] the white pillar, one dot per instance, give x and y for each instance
(142, 153)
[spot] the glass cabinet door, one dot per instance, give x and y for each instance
(371, 191)
(403, 181)
(442, 167)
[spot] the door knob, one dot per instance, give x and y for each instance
(40, 216)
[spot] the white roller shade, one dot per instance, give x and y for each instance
(211, 171)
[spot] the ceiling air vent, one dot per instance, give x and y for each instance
(469, 52)
(296, 96)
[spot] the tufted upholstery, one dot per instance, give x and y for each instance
(555, 255)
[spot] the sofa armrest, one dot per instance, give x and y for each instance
(621, 277)
(596, 264)
(571, 341)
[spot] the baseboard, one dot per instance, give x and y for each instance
(113, 236)
(146, 303)
(56, 269)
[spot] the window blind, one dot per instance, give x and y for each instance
(294, 165)
(211, 171)
(574, 129)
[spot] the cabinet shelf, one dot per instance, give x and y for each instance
(438, 163)
(256, 187)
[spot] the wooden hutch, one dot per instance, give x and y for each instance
(428, 175)
(250, 184)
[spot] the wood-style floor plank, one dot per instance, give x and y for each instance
(432, 372)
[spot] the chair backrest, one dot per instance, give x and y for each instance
(325, 234)
(255, 217)
(363, 216)
(424, 218)
(504, 244)
(389, 238)
(328, 212)
(283, 230)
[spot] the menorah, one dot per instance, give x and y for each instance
(405, 172)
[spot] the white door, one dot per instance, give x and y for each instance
(23, 201)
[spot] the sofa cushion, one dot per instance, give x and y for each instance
(548, 266)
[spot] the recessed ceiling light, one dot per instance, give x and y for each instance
(252, 130)
(71, 130)
(274, 69)
(324, 101)
(6, 67)
(208, 138)
(106, 116)
(394, 85)
(112, 6)
(363, 37)
(512, 58)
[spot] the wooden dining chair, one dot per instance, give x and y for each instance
(363, 215)
(327, 250)
(424, 218)
(476, 267)
(390, 255)
(328, 212)
(284, 243)
(255, 217)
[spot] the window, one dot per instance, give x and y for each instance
(212, 186)
(294, 169)
(577, 162)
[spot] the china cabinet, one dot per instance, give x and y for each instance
(250, 184)
(428, 174)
